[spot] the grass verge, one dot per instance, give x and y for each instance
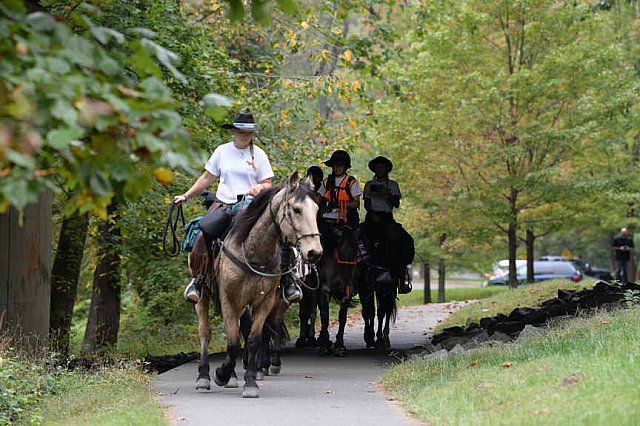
(416, 297)
(111, 396)
(585, 372)
(508, 299)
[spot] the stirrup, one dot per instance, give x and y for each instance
(294, 297)
(191, 292)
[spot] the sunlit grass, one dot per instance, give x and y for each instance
(586, 372)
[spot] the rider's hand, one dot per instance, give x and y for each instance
(179, 199)
(255, 189)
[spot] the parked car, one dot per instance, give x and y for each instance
(590, 271)
(544, 270)
(500, 268)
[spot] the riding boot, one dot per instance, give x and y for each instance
(192, 291)
(291, 292)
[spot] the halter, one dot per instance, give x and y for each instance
(244, 262)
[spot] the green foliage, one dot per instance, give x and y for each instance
(631, 298)
(23, 386)
(111, 395)
(86, 112)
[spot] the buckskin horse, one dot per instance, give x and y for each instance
(247, 271)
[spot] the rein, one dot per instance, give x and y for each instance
(172, 224)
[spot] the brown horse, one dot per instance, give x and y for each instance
(247, 272)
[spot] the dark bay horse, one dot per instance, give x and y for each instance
(390, 252)
(338, 273)
(247, 271)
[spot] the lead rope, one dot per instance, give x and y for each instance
(176, 246)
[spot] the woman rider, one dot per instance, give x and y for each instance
(242, 168)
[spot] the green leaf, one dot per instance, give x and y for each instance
(40, 21)
(61, 138)
(19, 159)
(216, 100)
(65, 112)
(100, 184)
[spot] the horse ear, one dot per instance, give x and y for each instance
(308, 181)
(294, 180)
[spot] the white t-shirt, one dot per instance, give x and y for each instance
(378, 202)
(237, 170)
(355, 192)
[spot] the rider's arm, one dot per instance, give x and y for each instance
(355, 203)
(262, 185)
(203, 182)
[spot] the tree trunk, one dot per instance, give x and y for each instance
(104, 313)
(64, 278)
(513, 251)
(426, 274)
(531, 238)
(441, 273)
(25, 268)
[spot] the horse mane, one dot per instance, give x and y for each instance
(247, 218)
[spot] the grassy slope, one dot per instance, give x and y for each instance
(505, 301)
(586, 372)
(466, 293)
(110, 397)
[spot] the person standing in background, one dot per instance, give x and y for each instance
(623, 249)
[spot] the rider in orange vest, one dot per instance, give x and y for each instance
(341, 192)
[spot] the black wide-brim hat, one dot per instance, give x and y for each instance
(339, 157)
(243, 121)
(382, 160)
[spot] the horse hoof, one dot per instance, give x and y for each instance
(260, 375)
(301, 343)
(203, 383)
(218, 381)
(251, 392)
(275, 369)
(340, 351)
(232, 383)
(324, 351)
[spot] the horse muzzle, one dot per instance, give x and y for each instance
(314, 256)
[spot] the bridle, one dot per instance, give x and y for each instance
(287, 215)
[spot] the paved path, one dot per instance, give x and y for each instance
(310, 390)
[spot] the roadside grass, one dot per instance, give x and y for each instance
(110, 396)
(586, 371)
(508, 299)
(450, 294)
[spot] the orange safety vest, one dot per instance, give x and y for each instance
(339, 196)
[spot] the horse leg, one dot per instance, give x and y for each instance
(260, 313)
(278, 332)
(323, 339)
(313, 307)
(204, 334)
(380, 314)
(264, 349)
(231, 318)
(304, 316)
(367, 300)
(342, 320)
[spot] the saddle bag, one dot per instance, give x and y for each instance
(191, 232)
(215, 223)
(381, 275)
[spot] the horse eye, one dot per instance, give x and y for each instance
(297, 210)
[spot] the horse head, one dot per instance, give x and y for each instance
(297, 217)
